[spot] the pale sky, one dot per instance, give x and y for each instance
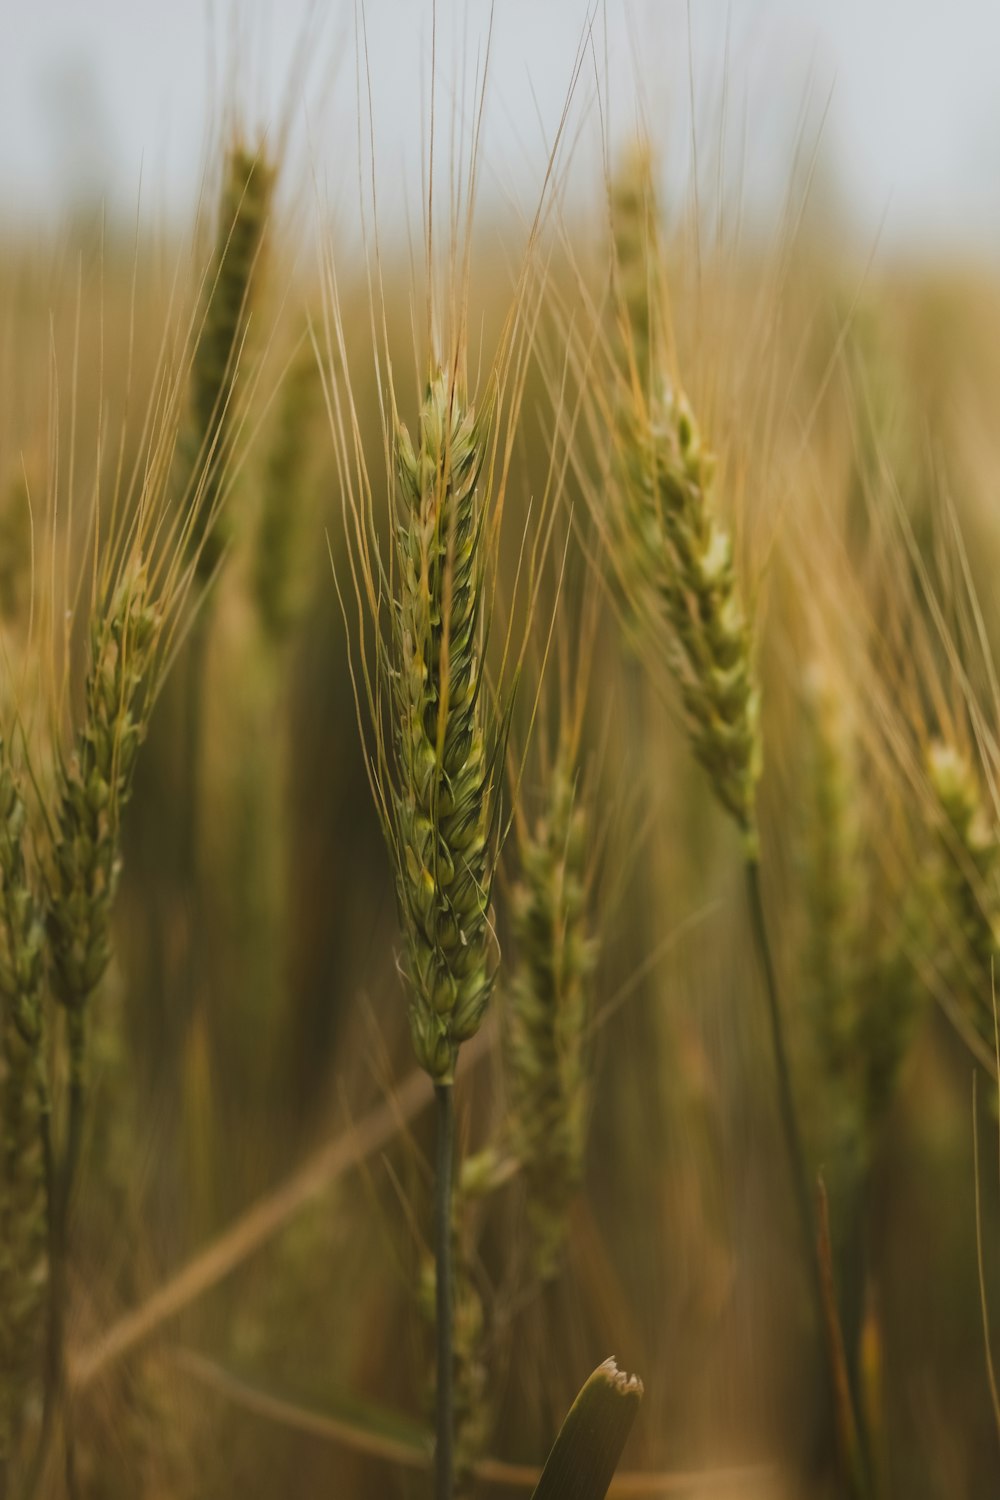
(96, 94)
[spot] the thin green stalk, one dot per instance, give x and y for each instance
(443, 1452)
(194, 674)
(74, 1144)
(793, 1139)
(77, 1033)
(786, 1100)
(53, 1345)
(59, 1191)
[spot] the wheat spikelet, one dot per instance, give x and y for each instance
(24, 1096)
(832, 888)
(443, 803)
(860, 998)
(858, 984)
(549, 1011)
(677, 564)
(246, 197)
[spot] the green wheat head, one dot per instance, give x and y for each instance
(635, 237)
(549, 1012)
(444, 801)
(94, 786)
(23, 1099)
(243, 213)
(967, 884)
(859, 989)
(677, 563)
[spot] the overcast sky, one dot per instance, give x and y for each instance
(96, 93)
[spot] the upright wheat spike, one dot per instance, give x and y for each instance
(549, 1011)
(86, 861)
(95, 785)
(859, 998)
(24, 1112)
(444, 800)
(280, 570)
(859, 987)
(968, 885)
(246, 200)
(634, 232)
(833, 895)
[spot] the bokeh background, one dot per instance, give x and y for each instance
(829, 181)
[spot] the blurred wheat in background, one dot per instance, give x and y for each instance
(499, 765)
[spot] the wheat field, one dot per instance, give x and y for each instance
(499, 837)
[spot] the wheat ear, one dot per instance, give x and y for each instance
(246, 199)
(444, 802)
(549, 1010)
(678, 560)
(966, 877)
(25, 1111)
(674, 558)
(278, 560)
(94, 785)
(634, 243)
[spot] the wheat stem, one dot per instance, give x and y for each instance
(445, 1400)
(789, 1120)
(53, 1345)
(59, 1188)
(783, 1078)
